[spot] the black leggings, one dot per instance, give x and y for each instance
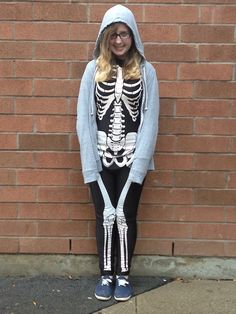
(116, 202)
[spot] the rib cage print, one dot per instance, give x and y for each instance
(119, 102)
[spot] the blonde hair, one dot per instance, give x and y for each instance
(106, 61)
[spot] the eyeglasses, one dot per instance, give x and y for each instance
(123, 35)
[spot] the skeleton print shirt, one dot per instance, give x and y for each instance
(118, 104)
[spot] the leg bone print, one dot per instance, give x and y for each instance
(116, 146)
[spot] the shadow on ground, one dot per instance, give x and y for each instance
(63, 295)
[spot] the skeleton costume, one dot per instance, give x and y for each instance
(117, 124)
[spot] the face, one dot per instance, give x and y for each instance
(120, 45)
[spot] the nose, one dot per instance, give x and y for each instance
(118, 39)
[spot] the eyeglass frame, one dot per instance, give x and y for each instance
(123, 35)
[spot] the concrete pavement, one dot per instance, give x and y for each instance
(182, 297)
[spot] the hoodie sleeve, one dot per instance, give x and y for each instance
(87, 155)
(146, 140)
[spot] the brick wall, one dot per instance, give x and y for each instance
(188, 204)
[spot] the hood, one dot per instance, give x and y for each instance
(120, 14)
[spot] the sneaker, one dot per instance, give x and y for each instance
(123, 289)
(104, 288)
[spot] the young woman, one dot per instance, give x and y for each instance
(117, 124)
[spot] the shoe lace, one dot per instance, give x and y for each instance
(122, 282)
(106, 281)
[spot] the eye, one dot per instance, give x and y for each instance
(124, 34)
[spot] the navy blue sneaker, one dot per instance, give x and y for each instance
(105, 288)
(123, 289)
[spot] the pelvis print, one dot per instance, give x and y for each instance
(116, 146)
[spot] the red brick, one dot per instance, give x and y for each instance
(6, 69)
(97, 11)
(57, 160)
(215, 89)
(207, 34)
(170, 52)
(176, 126)
(6, 105)
(37, 211)
(225, 15)
(75, 178)
(43, 142)
(92, 228)
(222, 53)
(171, 14)
(6, 30)
(60, 12)
(205, 72)
(81, 211)
(230, 214)
(233, 109)
(153, 212)
(202, 108)
(16, 159)
(206, 14)
(199, 248)
(84, 246)
(230, 249)
(41, 31)
(214, 231)
(77, 69)
(215, 162)
(19, 50)
(8, 141)
(159, 178)
(9, 245)
(167, 107)
(159, 1)
(164, 230)
(84, 32)
(62, 228)
(10, 87)
(74, 144)
(18, 228)
(42, 177)
(166, 71)
(171, 162)
(41, 105)
(166, 143)
(56, 87)
(8, 210)
(42, 69)
(159, 33)
(210, 1)
(215, 197)
(215, 126)
(198, 213)
(12, 123)
(17, 194)
(176, 89)
(153, 246)
(166, 196)
(61, 51)
(16, 11)
(232, 180)
(54, 123)
(202, 144)
(63, 194)
(232, 147)
(200, 179)
(41, 245)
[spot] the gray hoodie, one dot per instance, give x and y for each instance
(86, 110)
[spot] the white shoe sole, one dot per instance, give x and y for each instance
(122, 299)
(102, 298)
